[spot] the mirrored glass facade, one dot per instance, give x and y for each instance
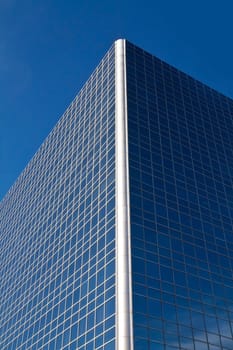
(57, 267)
(181, 192)
(145, 145)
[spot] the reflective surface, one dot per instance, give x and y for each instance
(181, 177)
(57, 277)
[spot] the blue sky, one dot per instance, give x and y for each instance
(49, 48)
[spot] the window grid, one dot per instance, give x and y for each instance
(181, 166)
(57, 280)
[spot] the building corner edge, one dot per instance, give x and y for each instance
(124, 315)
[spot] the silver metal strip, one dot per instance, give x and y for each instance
(123, 247)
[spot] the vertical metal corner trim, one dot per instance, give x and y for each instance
(123, 246)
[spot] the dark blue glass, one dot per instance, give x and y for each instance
(181, 177)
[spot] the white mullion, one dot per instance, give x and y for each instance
(123, 248)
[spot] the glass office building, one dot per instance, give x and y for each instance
(118, 233)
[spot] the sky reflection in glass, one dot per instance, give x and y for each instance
(181, 166)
